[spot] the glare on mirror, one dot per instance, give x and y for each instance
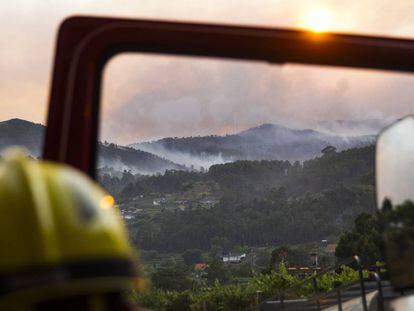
(395, 162)
(216, 165)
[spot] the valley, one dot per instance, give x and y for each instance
(267, 195)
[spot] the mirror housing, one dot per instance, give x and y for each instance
(395, 162)
(395, 199)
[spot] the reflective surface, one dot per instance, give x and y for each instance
(395, 162)
(395, 194)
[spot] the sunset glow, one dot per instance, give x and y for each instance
(319, 20)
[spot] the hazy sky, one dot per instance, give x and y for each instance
(147, 98)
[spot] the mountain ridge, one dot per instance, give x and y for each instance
(264, 142)
(29, 135)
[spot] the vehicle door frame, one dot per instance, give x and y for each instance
(86, 44)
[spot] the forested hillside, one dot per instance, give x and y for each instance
(253, 203)
(29, 135)
(119, 158)
(242, 203)
(17, 132)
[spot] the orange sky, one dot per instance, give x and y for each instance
(29, 27)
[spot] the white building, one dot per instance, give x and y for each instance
(233, 258)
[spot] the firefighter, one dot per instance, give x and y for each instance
(63, 242)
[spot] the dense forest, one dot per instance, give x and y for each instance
(276, 212)
(251, 203)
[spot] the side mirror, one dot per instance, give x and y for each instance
(395, 199)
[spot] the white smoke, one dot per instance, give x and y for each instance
(119, 166)
(352, 128)
(203, 161)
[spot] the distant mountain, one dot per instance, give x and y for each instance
(124, 158)
(17, 132)
(265, 142)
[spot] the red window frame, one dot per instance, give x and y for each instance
(85, 44)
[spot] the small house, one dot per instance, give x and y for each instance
(234, 258)
(330, 248)
(201, 266)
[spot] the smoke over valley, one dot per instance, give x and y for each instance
(264, 142)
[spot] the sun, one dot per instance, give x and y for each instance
(318, 20)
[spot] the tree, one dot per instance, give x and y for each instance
(279, 256)
(263, 258)
(217, 271)
(219, 245)
(364, 240)
(173, 277)
(192, 256)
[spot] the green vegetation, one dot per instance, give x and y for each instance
(246, 203)
(364, 240)
(274, 212)
(234, 297)
(217, 285)
(367, 236)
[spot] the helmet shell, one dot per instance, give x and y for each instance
(54, 216)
